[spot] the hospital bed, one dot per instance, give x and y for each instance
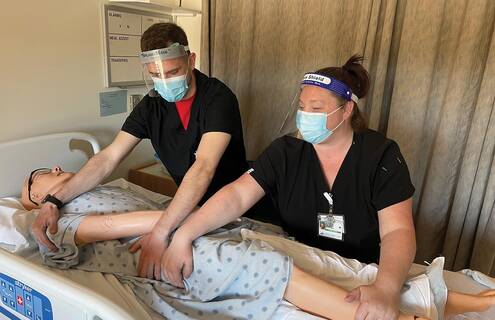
(30, 290)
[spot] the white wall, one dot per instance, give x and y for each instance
(51, 71)
(192, 26)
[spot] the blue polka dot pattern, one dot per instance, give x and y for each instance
(241, 279)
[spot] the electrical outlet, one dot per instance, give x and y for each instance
(135, 99)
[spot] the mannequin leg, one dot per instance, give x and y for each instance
(324, 299)
(458, 303)
(321, 298)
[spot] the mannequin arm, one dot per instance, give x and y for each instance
(115, 226)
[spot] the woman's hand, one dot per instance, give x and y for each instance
(375, 303)
(177, 262)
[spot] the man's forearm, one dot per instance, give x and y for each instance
(190, 192)
(93, 172)
(397, 254)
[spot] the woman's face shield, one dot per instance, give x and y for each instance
(163, 65)
(319, 97)
(289, 125)
(310, 99)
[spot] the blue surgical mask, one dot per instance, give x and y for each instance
(172, 89)
(313, 125)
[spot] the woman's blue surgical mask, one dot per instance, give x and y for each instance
(172, 89)
(313, 125)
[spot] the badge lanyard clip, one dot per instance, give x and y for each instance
(328, 196)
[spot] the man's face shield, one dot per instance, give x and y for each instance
(315, 99)
(167, 71)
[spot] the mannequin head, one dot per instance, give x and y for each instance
(42, 182)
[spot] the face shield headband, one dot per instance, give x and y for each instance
(174, 51)
(331, 84)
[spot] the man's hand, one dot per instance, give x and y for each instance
(375, 303)
(152, 246)
(177, 262)
(46, 219)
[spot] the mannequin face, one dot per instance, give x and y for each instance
(43, 182)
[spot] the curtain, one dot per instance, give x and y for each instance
(432, 68)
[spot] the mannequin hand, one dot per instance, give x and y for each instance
(152, 246)
(46, 219)
(375, 303)
(177, 262)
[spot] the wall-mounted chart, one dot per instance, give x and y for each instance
(123, 30)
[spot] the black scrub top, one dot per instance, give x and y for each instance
(215, 109)
(372, 177)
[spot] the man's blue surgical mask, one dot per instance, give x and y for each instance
(313, 125)
(172, 89)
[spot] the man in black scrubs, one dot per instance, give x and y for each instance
(194, 125)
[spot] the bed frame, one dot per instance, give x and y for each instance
(18, 158)
(35, 289)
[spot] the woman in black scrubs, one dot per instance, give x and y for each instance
(342, 187)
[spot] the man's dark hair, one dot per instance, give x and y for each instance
(162, 35)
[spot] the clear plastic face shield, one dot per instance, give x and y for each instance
(167, 71)
(311, 126)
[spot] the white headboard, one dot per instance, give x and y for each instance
(18, 158)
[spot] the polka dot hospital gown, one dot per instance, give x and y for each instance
(232, 278)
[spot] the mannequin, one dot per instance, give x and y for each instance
(304, 290)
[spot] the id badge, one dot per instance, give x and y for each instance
(331, 226)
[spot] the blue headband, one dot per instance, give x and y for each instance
(331, 84)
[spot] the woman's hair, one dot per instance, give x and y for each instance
(355, 76)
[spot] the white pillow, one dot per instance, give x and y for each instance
(15, 225)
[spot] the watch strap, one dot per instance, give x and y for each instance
(52, 199)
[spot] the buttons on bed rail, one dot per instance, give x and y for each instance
(20, 301)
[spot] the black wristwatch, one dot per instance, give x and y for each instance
(54, 200)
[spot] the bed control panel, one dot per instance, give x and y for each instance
(20, 301)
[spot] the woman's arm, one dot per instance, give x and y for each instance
(398, 244)
(115, 226)
(228, 204)
(380, 300)
(223, 207)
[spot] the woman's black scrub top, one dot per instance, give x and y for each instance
(373, 176)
